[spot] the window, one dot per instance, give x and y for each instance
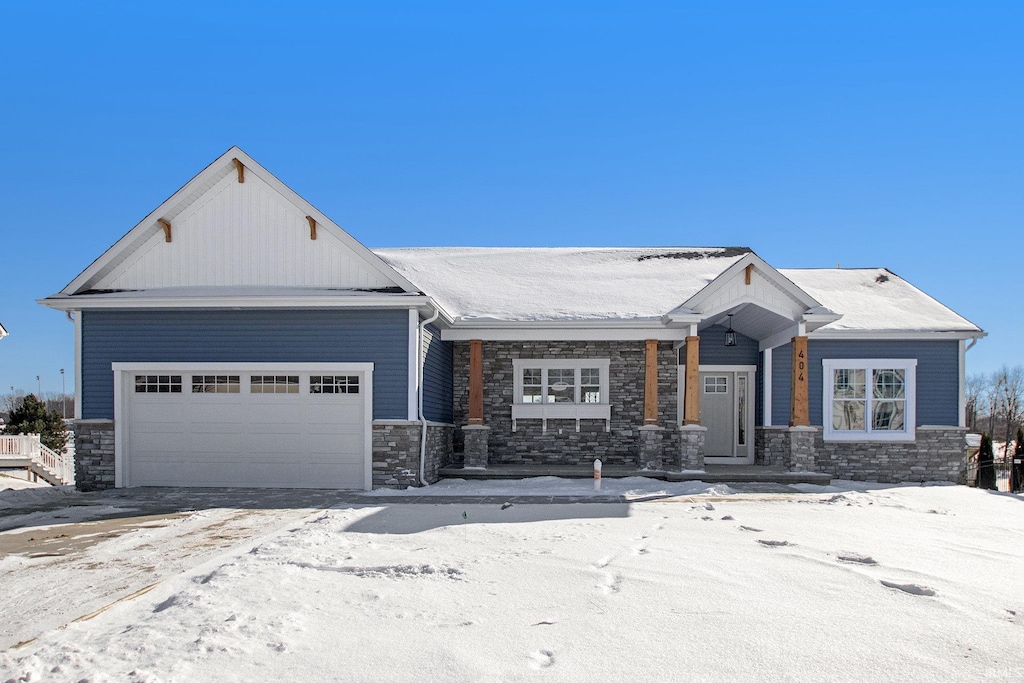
(334, 384)
(869, 399)
(157, 384)
(215, 384)
(274, 384)
(570, 388)
(717, 384)
(566, 382)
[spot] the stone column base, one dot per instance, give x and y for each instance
(475, 448)
(691, 448)
(650, 447)
(801, 449)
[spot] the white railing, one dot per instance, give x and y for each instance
(29, 446)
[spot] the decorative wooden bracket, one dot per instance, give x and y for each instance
(166, 225)
(312, 227)
(241, 170)
(749, 269)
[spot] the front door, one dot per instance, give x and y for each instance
(726, 409)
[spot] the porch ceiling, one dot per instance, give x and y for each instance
(751, 321)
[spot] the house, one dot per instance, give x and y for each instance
(3, 332)
(238, 337)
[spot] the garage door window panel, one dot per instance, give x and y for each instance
(158, 384)
(274, 384)
(334, 384)
(216, 384)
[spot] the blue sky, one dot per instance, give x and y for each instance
(864, 133)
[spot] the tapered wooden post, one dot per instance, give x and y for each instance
(651, 383)
(799, 407)
(691, 401)
(476, 382)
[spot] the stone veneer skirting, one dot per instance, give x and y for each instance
(396, 453)
(94, 455)
(623, 444)
(937, 454)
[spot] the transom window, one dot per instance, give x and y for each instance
(561, 381)
(716, 384)
(872, 399)
(157, 384)
(274, 384)
(334, 384)
(215, 384)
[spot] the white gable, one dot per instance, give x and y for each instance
(766, 288)
(226, 233)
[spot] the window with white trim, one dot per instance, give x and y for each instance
(274, 384)
(869, 399)
(334, 384)
(560, 388)
(216, 384)
(157, 384)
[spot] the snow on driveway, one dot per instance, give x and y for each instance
(901, 583)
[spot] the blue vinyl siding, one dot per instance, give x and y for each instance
(265, 336)
(437, 377)
(938, 375)
(713, 351)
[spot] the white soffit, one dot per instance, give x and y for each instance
(225, 233)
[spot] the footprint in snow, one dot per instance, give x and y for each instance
(773, 544)
(857, 559)
(911, 588)
(640, 550)
(727, 518)
(603, 562)
(542, 659)
(706, 518)
(611, 583)
(750, 528)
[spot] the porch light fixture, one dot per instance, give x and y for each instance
(730, 334)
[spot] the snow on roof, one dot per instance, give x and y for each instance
(560, 284)
(876, 299)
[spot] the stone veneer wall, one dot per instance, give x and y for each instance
(938, 454)
(396, 452)
(562, 444)
(94, 455)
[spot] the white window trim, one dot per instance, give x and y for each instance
(909, 367)
(561, 411)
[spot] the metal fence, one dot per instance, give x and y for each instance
(1001, 469)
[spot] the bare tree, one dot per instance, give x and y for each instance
(1009, 390)
(974, 395)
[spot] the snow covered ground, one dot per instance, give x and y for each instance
(841, 583)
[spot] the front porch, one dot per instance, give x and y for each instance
(712, 474)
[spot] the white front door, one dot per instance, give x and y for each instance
(727, 410)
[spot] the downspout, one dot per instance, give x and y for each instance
(419, 386)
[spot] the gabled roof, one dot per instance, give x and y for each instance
(878, 300)
(3, 332)
(231, 233)
(561, 284)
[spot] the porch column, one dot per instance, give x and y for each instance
(651, 383)
(475, 433)
(799, 409)
(691, 400)
(476, 382)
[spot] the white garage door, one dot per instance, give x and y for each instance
(264, 427)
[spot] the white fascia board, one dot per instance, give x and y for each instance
(251, 166)
(596, 333)
(769, 272)
(914, 335)
(107, 301)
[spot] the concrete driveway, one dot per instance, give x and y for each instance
(72, 556)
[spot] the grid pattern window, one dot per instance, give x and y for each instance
(274, 384)
(157, 384)
(216, 384)
(334, 384)
(533, 385)
(561, 381)
(717, 384)
(874, 400)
